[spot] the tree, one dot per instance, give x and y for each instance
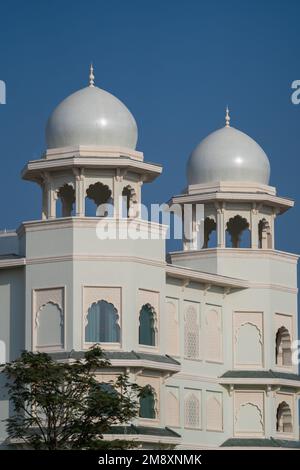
(62, 405)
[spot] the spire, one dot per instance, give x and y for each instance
(92, 76)
(227, 118)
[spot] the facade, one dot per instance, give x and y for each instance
(209, 329)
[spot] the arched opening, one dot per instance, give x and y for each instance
(65, 201)
(264, 234)
(210, 238)
(284, 419)
(283, 349)
(147, 403)
(147, 326)
(192, 411)
(102, 323)
(129, 202)
(238, 233)
(101, 196)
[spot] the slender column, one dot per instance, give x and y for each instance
(79, 192)
(254, 226)
(220, 225)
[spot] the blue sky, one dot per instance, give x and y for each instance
(175, 64)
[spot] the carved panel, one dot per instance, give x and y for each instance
(214, 411)
(249, 413)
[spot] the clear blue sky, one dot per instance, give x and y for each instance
(174, 63)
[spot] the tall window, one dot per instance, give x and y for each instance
(50, 327)
(147, 404)
(284, 422)
(192, 411)
(191, 334)
(283, 347)
(102, 323)
(147, 326)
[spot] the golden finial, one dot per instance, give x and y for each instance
(92, 76)
(227, 118)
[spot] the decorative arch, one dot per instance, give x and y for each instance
(191, 333)
(249, 342)
(210, 226)
(148, 403)
(238, 227)
(249, 419)
(66, 198)
(192, 411)
(101, 195)
(214, 414)
(172, 408)
(283, 348)
(284, 418)
(102, 323)
(129, 202)
(147, 325)
(49, 324)
(172, 346)
(264, 234)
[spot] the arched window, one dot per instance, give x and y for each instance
(65, 201)
(238, 229)
(102, 323)
(100, 194)
(210, 227)
(264, 234)
(192, 411)
(147, 403)
(147, 326)
(129, 201)
(50, 327)
(283, 347)
(284, 420)
(191, 333)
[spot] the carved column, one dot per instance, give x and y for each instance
(220, 225)
(254, 226)
(79, 192)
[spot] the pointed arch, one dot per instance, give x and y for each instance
(283, 347)
(192, 410)
(102, 323)
(148, 403)
(147, 325)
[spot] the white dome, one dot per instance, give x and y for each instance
(228, 155)
(91, 116)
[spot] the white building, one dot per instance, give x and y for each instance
(210, 330)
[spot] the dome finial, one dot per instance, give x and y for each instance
(227, 117)
(92, 76)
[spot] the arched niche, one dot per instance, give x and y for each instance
(283, 347)
(49, 325)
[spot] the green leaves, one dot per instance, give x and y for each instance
(62, 405)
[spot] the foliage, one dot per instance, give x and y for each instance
(62, 405)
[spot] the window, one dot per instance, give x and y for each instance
(284, 422)
(102, 323)
(147, 326)
(192, 411)
(101, 195)
(191, 333)
(283, 350)
(147, 403)
(238, 232)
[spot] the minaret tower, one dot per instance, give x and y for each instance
(230, 231)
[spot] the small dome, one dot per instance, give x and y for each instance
(228, 155)
(91, 116)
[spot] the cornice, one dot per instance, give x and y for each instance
(235, 253)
